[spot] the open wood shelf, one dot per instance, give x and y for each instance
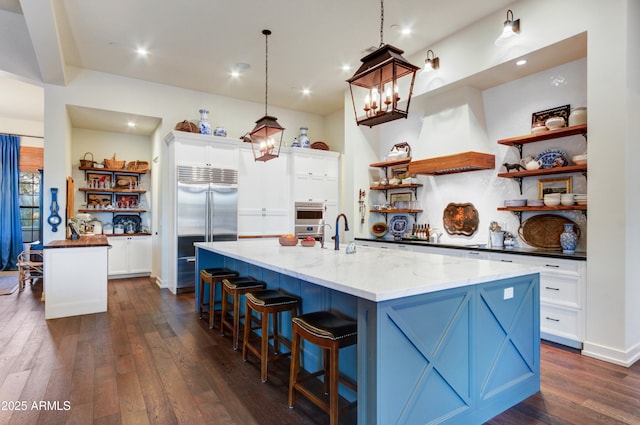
(113, 170)
(546, 208)
(545, 171)
(111, 190)
(545, 135)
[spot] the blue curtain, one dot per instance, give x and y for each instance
(10, 227)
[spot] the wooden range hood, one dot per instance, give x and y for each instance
(450, 164)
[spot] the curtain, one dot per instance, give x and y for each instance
(10, 227)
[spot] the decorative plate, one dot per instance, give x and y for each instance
(460, 219)
(125, 219)
(398, 225)
(552, 158)
(543, 231)
(379, 229)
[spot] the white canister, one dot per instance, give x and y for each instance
(578, 116)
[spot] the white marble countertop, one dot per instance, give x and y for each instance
(371, 273)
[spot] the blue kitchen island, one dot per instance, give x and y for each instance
(441, 339)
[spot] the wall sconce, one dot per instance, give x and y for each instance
(510, 29)
(430, 63)
(383, 79)
(266, 136)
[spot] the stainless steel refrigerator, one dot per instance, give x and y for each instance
(207, 211)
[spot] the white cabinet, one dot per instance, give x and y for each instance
(562, 292)
(129, 255)
(211, 151)
(264, 204)
(315, 178)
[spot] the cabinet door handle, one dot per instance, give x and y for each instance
(506, 261)
(473, 253)
(551, 289)
(552, 319)
(552, 265)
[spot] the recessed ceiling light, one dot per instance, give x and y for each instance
(306, 92)
(235, 74)
(239, 68)
(131, 124)
(521, 62)
(346, 67)
(141, 51)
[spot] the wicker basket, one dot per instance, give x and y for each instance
(320, 146)
(543, 231)
(84, 162)
(138, 166)
(187, 126)
(114, 163)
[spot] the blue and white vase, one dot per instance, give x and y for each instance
(568, 239)
(303, 138)
(203, 124)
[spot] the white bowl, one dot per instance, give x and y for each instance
(552, 196)
(552, 202)
(580, 159)
(554, 123)
(567, 202)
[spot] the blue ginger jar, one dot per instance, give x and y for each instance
(303, 138)
(203, 124)
(568, 239)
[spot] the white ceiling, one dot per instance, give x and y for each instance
(194, 44)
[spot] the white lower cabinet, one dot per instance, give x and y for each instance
(562, 292)
(129, 256)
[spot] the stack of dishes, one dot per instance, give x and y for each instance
(515, 202)
(567, 199)
(580, 198)
(552, 199)
(535, 202)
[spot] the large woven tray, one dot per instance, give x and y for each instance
(543, 231)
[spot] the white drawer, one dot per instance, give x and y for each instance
(563, 322)
(561, 289)
(551, 265)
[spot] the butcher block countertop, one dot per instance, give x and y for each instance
(82, 242)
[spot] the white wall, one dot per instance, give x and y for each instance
(612, 295)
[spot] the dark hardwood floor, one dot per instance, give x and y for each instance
(149, 360)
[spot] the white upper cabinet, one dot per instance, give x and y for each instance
(315, 175)
(264, 204)
(211, 151)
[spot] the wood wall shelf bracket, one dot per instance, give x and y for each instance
(519, 147)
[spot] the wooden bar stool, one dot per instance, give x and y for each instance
(235, 287)
(330, 333)
(212, 276)
(264, 303)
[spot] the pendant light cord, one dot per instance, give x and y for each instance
(266, 68)
(381, 23)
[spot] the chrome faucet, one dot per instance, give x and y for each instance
(346, 229)
(322, 234)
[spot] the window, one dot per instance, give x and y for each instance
(30, 205)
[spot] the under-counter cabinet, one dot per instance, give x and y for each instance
(264, 204)
(562, 296)
(129, 256)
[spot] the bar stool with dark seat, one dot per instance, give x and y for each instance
(212, 276)
(264, 303)
(236, 287)
(330, 332)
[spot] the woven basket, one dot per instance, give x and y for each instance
(114, 163)
(187, 126)
(320, 145)
(543, 231)
(138, 165)
(84, 162)
(288, 241)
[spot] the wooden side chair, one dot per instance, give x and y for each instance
(30, 267)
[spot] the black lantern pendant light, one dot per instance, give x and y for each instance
(382, 81)
(266, 136)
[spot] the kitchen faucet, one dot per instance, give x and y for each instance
(346, 229)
